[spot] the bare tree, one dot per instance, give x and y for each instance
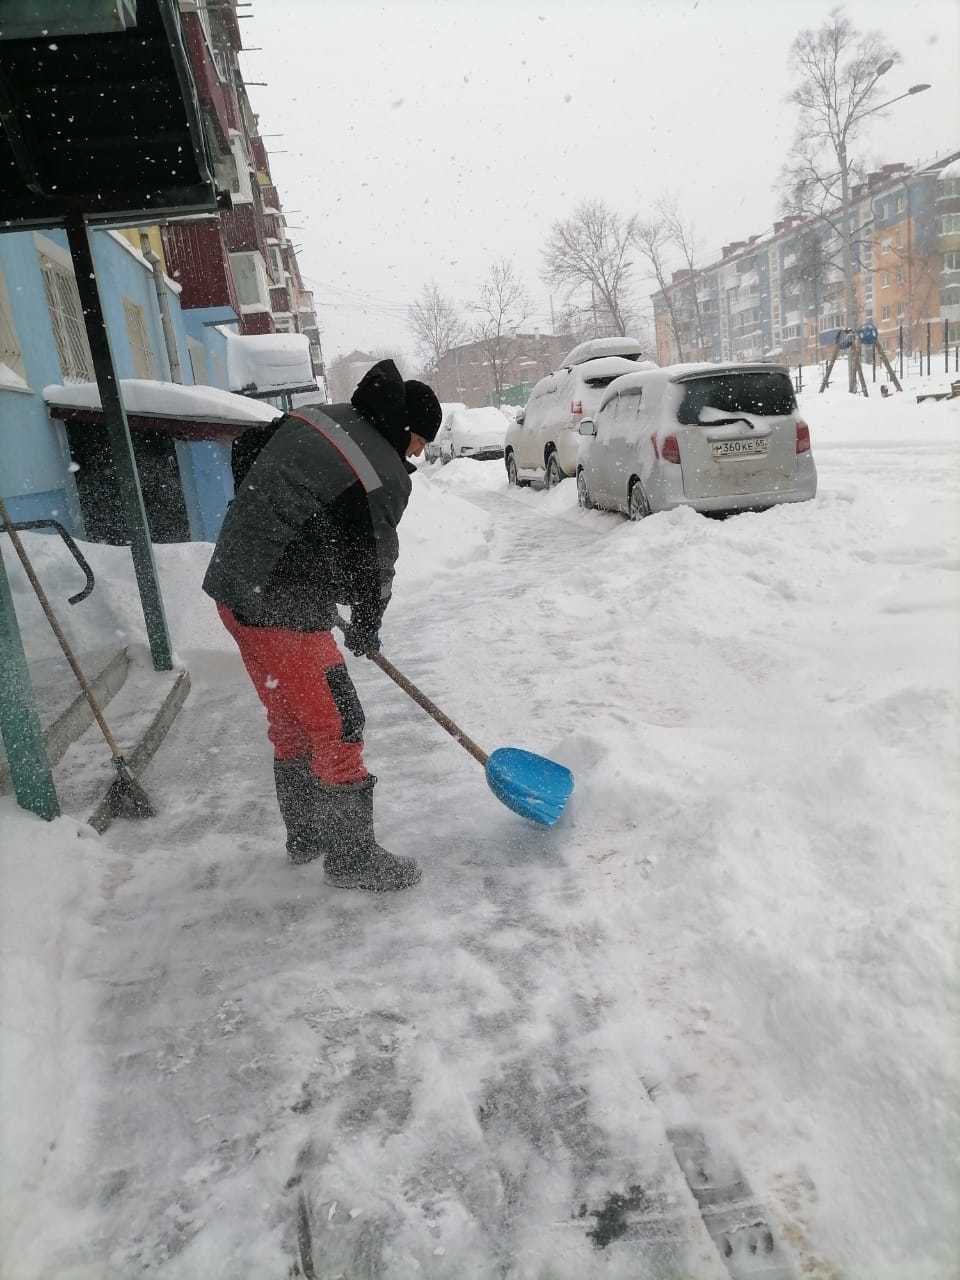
(837, 71)
(652, 239)
(590, 250)
(682, 235)
(501, 308)
(435, 325)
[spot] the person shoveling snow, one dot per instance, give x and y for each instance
(314, 525)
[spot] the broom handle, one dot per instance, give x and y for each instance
(51, 618)
(431, 708)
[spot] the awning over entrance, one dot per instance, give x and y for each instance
(183, 412)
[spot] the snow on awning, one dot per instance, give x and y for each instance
(266, 364)
(187, 412)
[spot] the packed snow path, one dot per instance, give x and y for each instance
(744, 924)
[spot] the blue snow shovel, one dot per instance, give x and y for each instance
(531, 785)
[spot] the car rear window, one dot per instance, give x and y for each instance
(765, 394)
(603, 381)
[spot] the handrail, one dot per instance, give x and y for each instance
(72, 546)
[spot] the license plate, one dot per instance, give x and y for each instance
(739, 448)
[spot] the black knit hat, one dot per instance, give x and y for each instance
(424, 414)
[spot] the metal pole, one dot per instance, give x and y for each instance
(121, 446)
(873, 360)
(850, 300)
(929, 326)
(946, 346)
(901, 350)
(19, 723)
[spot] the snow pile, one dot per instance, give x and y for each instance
(151, 399)
(50, 874)
(265, 363)
(746, 921)
(439, 531)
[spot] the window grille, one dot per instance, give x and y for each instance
(66, 317)
(10, 352)
(136, 322)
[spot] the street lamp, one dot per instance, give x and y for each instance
(841, 151)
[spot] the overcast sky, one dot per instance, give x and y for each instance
(423, 139)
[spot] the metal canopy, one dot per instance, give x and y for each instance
(100, 121)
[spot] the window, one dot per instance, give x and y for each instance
(885, 312)
(765, 394)
(10, 352)
(139, 339)
(250, 276)
(884, 279)
(901, 203)
(899, 309)
(66, 317)
(951, 261)
(899, 277)
(950, 224)
(949, 187)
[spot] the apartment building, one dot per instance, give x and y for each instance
(782, 295)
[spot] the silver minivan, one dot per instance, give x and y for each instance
(543, 442)
(715, 437)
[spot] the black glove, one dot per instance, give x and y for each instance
(361, 635)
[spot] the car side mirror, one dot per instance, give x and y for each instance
(588, 427)
(520, 417)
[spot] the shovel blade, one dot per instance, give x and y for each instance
(531, 785)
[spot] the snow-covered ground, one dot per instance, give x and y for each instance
(746, 923)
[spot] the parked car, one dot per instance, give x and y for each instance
(432, 451)
(715, 437)
(471, 433)
(543, 442)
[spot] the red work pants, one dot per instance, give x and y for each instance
(313, 711)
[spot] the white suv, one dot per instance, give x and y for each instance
(543, 442)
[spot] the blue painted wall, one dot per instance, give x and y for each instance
(35, 475)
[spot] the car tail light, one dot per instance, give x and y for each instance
(576, 407)
(803, 437)
(670, 449)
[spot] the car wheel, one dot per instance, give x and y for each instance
(512, 477)
(638, 506)
(553, 474)
(583, 493)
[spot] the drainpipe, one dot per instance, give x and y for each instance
(163, 302)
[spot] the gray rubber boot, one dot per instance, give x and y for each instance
(355, 860)
(297, 797)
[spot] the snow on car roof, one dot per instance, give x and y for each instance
(609, 367)
(597, 347)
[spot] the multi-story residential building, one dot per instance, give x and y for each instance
(782, 295)
(207, 301)
(239, 266)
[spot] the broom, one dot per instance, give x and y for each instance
(126, 798)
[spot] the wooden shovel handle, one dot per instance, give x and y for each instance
(431, 708)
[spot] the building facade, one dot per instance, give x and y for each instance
(781, 296)
(175, 298)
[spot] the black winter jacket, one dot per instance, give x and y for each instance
(314, 520)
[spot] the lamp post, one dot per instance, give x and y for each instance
(843, 130)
